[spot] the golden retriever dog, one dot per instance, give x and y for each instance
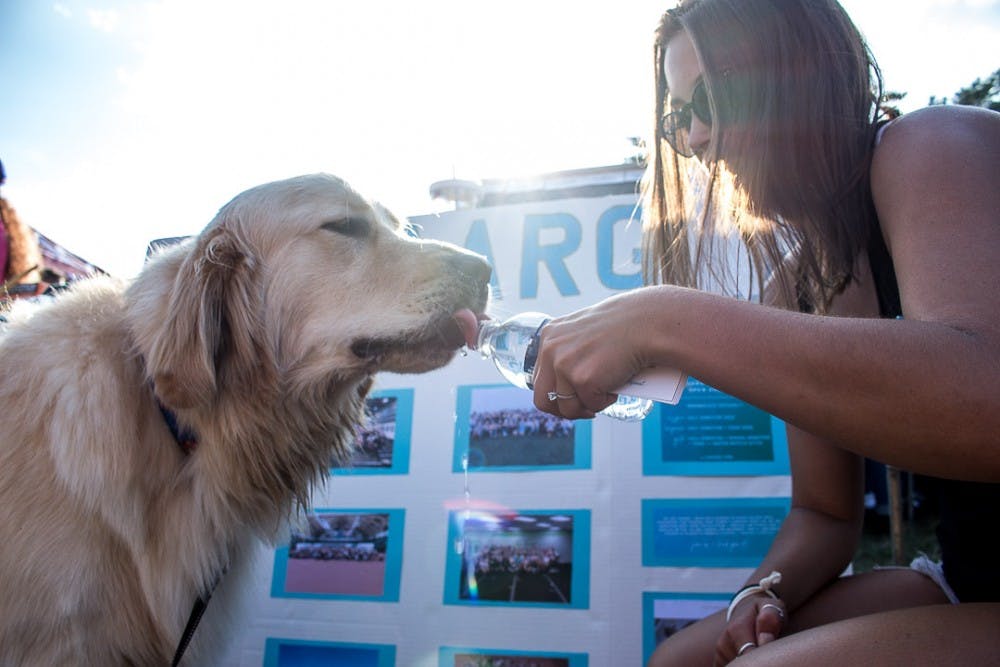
(153, 432)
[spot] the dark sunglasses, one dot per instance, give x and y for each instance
(676, 125)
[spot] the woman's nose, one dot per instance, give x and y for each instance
(699, 135)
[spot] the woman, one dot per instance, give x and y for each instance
(20, 254)
(875, 249)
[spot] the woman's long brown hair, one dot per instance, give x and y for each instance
(794, 93)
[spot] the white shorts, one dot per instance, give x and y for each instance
(932, 570)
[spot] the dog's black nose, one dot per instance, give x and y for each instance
(473, 265)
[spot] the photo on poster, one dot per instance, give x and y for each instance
(498, 429)
(537, 558)
(305, 653)
(344, 554)
(709, 532)
(711, 433)
(480, 657)
(382, 443)
(664, 614)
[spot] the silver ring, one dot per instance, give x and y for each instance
(554, 395)
(781, 612)
(743, 648)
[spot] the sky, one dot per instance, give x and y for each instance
(125, 121)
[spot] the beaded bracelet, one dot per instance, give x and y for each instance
(764, 586)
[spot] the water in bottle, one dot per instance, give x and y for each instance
(513, 346)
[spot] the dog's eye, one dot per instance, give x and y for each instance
(350, 226)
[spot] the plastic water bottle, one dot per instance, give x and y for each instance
(513, 346)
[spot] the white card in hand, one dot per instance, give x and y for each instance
(664, 385)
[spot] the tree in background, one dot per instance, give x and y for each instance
(887, 107)
(980, 93)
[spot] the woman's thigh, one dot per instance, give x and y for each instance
(867, 593)
(846, 597)
(940, 635)
(692, 646)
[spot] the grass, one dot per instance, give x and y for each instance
(876, 541)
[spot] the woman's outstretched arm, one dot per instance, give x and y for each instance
(922, 393)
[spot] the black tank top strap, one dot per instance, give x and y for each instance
(880, 261)
(884, 276)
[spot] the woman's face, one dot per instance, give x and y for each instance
(683, 74)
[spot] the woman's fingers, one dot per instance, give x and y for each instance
(554, 392)
(757, 621)
(770, 621)
(574, 367)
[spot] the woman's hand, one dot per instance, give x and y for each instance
(756, 621)
(584, 356)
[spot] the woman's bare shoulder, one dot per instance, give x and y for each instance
(935, 136)
(933, 181)
(943, 157)
(948, 118)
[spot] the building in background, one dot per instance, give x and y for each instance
(620, 179)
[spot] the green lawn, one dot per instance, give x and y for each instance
(876, 541)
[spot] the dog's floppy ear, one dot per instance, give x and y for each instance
(211, 323)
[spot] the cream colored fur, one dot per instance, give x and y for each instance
(262, 334)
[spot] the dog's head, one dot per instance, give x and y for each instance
(297, 282)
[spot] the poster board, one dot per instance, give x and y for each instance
(562, 550)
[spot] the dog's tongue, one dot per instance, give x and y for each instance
(468, 323)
